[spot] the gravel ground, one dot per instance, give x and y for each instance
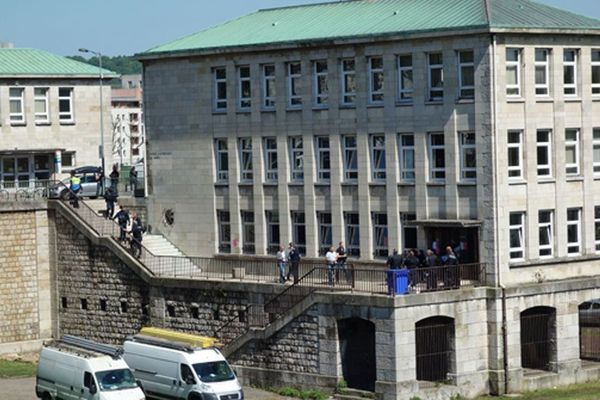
(24, 389)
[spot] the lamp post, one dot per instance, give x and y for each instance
(101, 73)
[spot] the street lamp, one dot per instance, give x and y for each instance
(99, 55)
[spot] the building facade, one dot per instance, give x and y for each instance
(128, 137)
(49, 116)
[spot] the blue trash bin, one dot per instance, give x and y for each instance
(397, 281)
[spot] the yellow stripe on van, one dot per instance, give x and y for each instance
(186, 338)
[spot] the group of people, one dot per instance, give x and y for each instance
(131, 229)
(288, 262)
(435, 256)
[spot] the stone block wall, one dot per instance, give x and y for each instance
(19, 315)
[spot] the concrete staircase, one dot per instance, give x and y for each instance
(160, 246)
(353, 394)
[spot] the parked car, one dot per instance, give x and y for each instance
(589, 312)
(75, 368)
(89, 184)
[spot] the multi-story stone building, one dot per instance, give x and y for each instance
(128, 137)
(398, 124)
(49, 116)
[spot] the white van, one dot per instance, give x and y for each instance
(168, 369)
(75, 368)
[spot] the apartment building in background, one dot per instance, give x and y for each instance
(49, 116)
(127, 122)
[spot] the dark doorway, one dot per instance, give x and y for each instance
(467, 239)
(435, 348)
(589, 330)
(357, 347)
(538, 338)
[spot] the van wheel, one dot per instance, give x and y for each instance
(195, 396)
(46, 396)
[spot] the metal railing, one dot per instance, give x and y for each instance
(33, 189)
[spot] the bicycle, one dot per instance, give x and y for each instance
(4, 195)
(31, 194)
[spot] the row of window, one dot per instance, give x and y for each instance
(546, 227)
(324, 226)
(41, 106)
(322, 147)
(543, 72)
(544, 154)
(347, 67)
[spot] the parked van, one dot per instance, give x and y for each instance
(171, 365)
(75, 368)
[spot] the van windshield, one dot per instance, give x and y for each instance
(115, 379)
(217, 371)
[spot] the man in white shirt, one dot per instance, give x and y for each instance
(281, 263)
(331, 257)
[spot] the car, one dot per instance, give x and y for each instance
(89, 184)
(589, 312)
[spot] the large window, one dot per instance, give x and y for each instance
(221, 160)
(352, 234)
(513, 72)
(270, 159)
(573, 231)
(596, 145)
(220, 87)
(325, 235)
(348, 82)
(40, 98)
(466, 74)
(437, 160)
(244, 88)
(405, 78)
(517, 236)
(515, 155)
(320, 84)
(596, 72)
(16, 100)
(378, 158)
(546, 230)
(294, 74)
(436, 76)
(350, 158)
(248, 232)
(246, 173)
(544, 153)
(273, 239)
(597, 228)
(572, 152)
(269, 88)
(380, 235)
(323, 158)
(296, 159)
(542, 72)
(376, 80)
(224, 227)
(65, 105)
(299, 230)
(406, 152)
(468, 157)
(570, 72)
(409, 231)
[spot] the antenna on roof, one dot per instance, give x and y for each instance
(113, 351)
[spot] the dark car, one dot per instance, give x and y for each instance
(89, 176)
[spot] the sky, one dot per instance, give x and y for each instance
(126, 27)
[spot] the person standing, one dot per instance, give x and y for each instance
(110, 197)
(132, 179)
(75, 188)
(122, 218)
(281, 263)
(341, 263)
(114, 178)
(332, 258)
(294, 257)
(137, 231)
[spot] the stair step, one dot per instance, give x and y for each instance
(349, 393)
(347, 397)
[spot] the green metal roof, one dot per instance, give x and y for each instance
(39, 63)
(365, 18)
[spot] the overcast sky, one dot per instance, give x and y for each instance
(124, 27)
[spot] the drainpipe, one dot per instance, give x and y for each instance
(504, 339)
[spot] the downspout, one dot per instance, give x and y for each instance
(504, 340)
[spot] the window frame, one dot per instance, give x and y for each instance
(320, 92)
(576, 144)
(595, 68)
(272, 223)
(542, 89)
(466, 92)
(376, 97)
(352, 231)
(597, 228)
(350, 172)
(46, 114)
(435, 94)
(298, 219)
(323, 157)
(548, 227)
(16, 117)
(407, 174)
(577, 224)
(520, 227)
(296, 153)
(464, 148)
(244, 102)
(246, 171)
(270, 156)
(547, 145)
(519, 146)
(431, 149)
(596, 145)
(570, 89)
(222, 175)
(269, 87)
(380, 249)
(517, 64)
(224, 246)
(247, 220)
(348, 97)
(219, 103)
(294, 79)
(405, 93)
(378, 173)
(325, 229)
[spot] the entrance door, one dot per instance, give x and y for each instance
(8, 173)
(357, 347)
(23, 171)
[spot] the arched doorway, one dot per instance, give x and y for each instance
(357, 348)
(434, 339)
(538, 338)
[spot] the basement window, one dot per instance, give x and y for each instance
(84, 304)
(102, 304)
(123, 307)
(171, 311)
(64, 302)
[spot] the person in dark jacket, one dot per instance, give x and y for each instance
(431, 276)
(137, 231)
(133, 179)
(395, 261)
(110, 197)
(294, 257)
(411, 261)
(122, 218)
(114, 178)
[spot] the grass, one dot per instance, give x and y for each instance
(302, 394)
(16, 369)
(584, 391)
